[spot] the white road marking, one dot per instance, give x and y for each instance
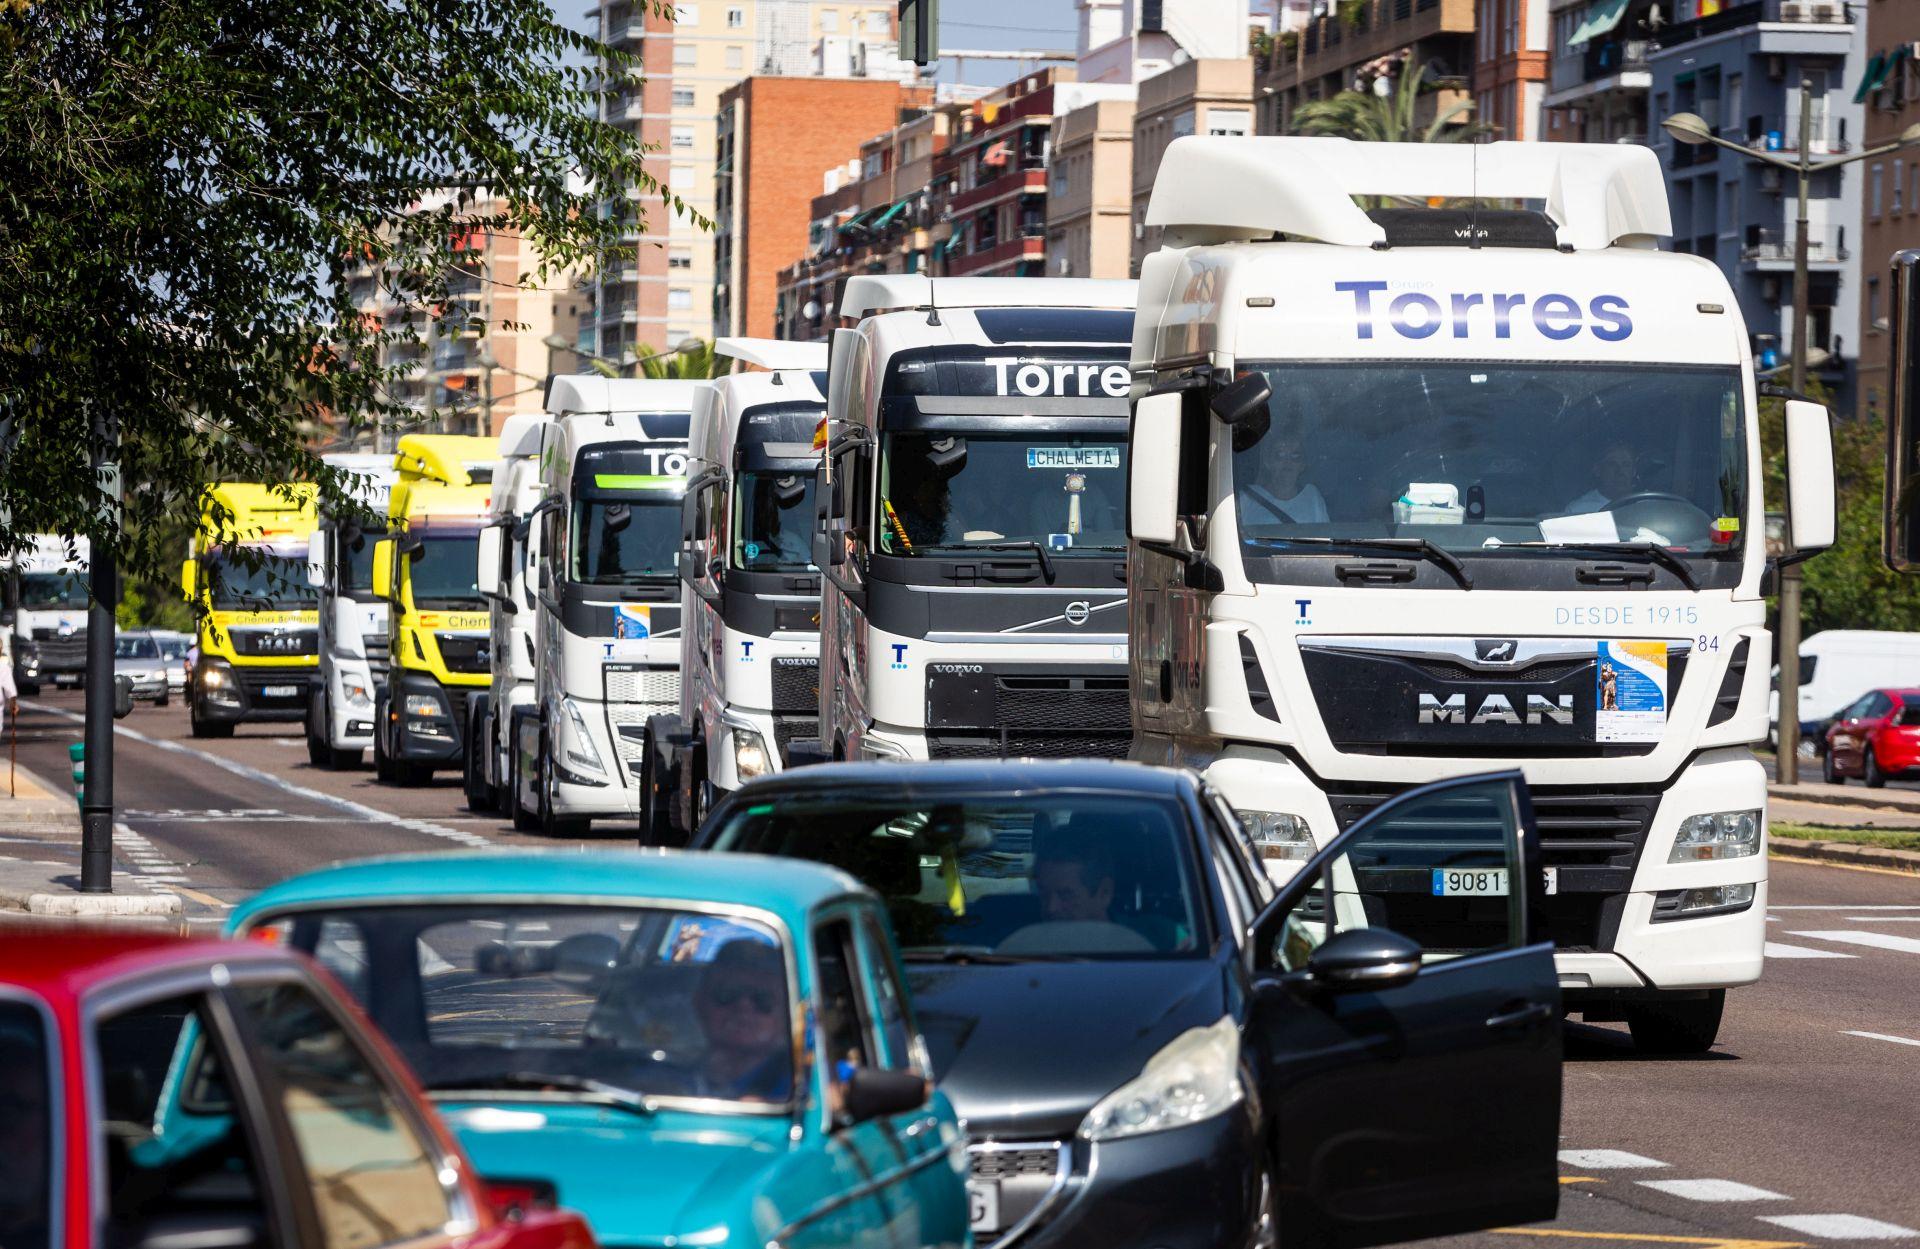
(1840, 1227)
(1712, 1190)
(1885, 919)
(1877, 940)
(1775, 949)
(1606, 1159)
(1881, 1036)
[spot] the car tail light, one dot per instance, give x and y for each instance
(512, 1199)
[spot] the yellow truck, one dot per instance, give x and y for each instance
(259, 625)
(427, 571)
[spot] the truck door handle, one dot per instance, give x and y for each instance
(1518, 1017)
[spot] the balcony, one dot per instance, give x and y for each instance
(1814, 18)
(626, 32)
(1599, 65)
(1014, 182)
(1355, 33)
(1772, 250)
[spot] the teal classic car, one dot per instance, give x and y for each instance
(691, 1050)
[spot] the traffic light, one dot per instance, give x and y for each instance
(919, 31)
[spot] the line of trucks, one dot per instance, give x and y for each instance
(1391, 466)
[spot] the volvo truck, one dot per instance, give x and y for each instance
(47, 601)
(259, 622)
(427, 571)
(508, 549)
(973, 540)
(353, 620)
(749, 593)
(607, 642)
(1441, 464)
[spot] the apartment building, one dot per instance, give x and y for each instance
(663, 294)
(1348, 45)
(1740, 67)
(1090, 192)
(1513, 42)
(1211, 96)
(1889, 90)
(1598, 79)
(997, 206)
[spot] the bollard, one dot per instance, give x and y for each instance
(77, 760)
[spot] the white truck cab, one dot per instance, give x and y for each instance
(507, 551)
(749, 593)
(47, 599)
(1421, 491)
(353, 620)
(973, 520)
(613, 463)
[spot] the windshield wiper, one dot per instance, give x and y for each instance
(1426, 548)
(1028, 544)
(1650, 550)
(956, 954)
(600, 1090)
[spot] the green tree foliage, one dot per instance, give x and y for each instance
(1392, 118)
(694, 364)
(186, 187)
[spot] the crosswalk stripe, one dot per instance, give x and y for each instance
(1606, 1159)
(1876, 940)
(1776, 949)
(1840, 1227)
(1712, 1190)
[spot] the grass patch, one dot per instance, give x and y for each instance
(1885, 838)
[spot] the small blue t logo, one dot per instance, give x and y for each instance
(899, 654)
(746, 652)
(1302, 604)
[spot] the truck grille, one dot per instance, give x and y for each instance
(634, 683)
(1030, 744)
(257, 681)
(275, 643)
(796, 686)
(786, 728)
(58, 653)
(464, 652)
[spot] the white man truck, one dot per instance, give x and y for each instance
(973, 536)
(507, 551)
(614, 471)
(1422, 491)
(353, 620)
(47, 600)
(749, 594)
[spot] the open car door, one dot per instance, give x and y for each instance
(1408, 1014)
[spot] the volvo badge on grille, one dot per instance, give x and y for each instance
(1078, 611)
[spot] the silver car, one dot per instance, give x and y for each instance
(137, 656)
(173, 648)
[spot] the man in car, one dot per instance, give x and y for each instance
(1616, 474)
(742, 1008)
(1074, 878)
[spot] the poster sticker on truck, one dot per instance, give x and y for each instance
(1630, 691)
(632, 626)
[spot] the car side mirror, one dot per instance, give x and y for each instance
(586, 959)
(1243, 406)
(870, 1093)
(1364, 960)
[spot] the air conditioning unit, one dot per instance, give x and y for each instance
(1795, 10)
(1828, 12)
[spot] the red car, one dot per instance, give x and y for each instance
(164, 1093)
(1875, 737)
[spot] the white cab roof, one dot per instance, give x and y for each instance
(716, 417)
(773, 353)
(520, 436)
(589, 392)
(874, 293)
(1217, 189)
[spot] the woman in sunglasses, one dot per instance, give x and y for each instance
(742, 1007)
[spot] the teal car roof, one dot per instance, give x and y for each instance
(788, 888)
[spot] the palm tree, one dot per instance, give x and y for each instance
(1388, 119)
(687, 363)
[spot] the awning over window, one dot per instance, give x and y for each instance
(1602, 16)
(1880, 67)
(951, 243)
(892, 212)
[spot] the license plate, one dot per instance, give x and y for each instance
(1469, 882)
(983, 1205)
(280, 691)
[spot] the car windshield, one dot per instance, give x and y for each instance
(1472, 456)
(637, 1001)
(129, 646)
(444, 571)
(942, 492)
(627, 540)
(774, 527)
(41, 591)
(173, 648)
(1071, 876)
(278, 583)
(26, 1125)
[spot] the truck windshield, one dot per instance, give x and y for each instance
(278, 583)
(628, 540)
(44, 590)
(941, 492)
(445, 570)
(356, 565)
(773, 527)
(1473, 456)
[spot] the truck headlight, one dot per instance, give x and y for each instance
(1195, 1077)
(1278, 834)
(872, 747)
(749, 754)
(1721, 835)
(578, 748)
(426, 706)
(358, 692)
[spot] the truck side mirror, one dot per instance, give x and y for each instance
(1153, 457)
(383, 568)
(1810, 493)
(317, 558)
(1243, 405)
(1900, 539)
(188, 572)
(488, 574)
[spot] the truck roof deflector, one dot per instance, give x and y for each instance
(773, 353)
(1213, 189)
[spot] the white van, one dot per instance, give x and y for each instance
(1839, 665)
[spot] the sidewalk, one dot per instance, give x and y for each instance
(1822, 806)
(40, 864)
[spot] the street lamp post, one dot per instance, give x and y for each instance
(1692, 129)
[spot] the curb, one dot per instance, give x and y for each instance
(1904, 802)
(90, 905)
(1845, 853)
(55, 812)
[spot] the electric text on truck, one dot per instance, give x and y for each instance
(614, 467)
(973, 545)
(749, 594)
(1419, 492)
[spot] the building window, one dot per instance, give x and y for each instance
(829, 20)
(1731, 193)
(683, 138)
(685, 54)
(686, 14)
(679, 298)
(1183, 124)
(1876, 190)
(679, 258)
(1735, 113)
(736, 56)
(1899, 187)
(878, 23)
(736, 18)
(682, 176)
(1237, 122)
(683, 97)
(1873, 304)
